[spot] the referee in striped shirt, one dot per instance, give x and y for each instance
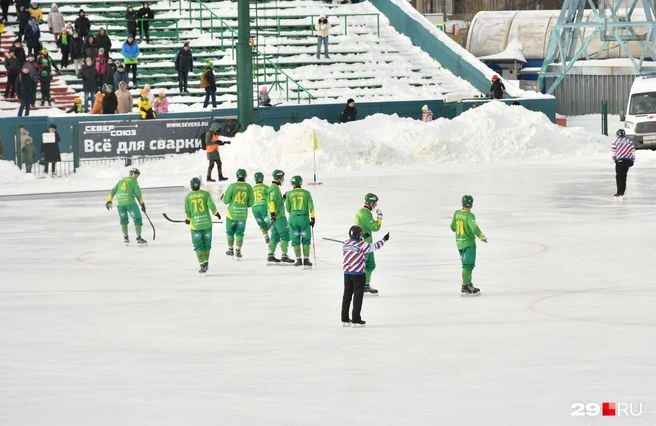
(623, 152)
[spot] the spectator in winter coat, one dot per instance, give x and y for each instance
(184, 63)
(497, 90)
(44, 80)
(426, 114)
(144, 14)
(36, 12)
(19, 52)
(77, 52)
(109, 101)
(77, 107)
(98, 103)
(82, 26)
(161, 103)
(23, 19)
(322, 28)
(120, 75)
(23, 134)
(56, 22)
(50, 151)
(35, 70)
(149, 94)
(264, 99)
(89, 77)
(64, 44)
(24, 87)
(145, 107)
(131, 54)
(45, 61)
(103, 42)
(101, 65)
(13, 69)
(110, 69)
(5, 10)
(89, 48)
(209, 86)
(349, 113)
(29, 155)
(131, 17)
(32, 36)
(124, 98)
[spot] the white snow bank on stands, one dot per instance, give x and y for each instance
(493, 132)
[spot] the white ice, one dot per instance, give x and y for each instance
(94, 332)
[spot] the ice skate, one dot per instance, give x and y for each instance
(272, 260)
(358, 324)
(126, 240)
(298, 263)
(237, 254)
(203, 268)
(346, 323)
(285, 260)
(141, 242)
(469, 291)
(307, 264)
(230, 252)
(370, 290)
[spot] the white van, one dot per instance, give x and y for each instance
(640, 118)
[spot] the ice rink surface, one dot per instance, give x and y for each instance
(97, 333)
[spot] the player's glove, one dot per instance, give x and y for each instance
(273, 218)
(379, 213)
(222, 196)
(484, 239)
(143, 207)
(218, 215)
(367, 235)
(187, 221)
(109, 205)
(386, 237)
(312, 222)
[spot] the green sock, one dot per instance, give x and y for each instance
(284, 246)
(231, 240)
(367, 279)
(240, 242)
(297, 252)
(306, 251)
(124, 229)
(466, 277)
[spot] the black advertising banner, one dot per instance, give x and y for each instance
(104, 139)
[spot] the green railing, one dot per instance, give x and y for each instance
(311, 20)
(109, 21)
(213, 17)
(277, 71)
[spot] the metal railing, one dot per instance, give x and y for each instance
(108, 21)
(310, 25)
(277, 71)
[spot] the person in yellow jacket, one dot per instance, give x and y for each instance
(145, 107)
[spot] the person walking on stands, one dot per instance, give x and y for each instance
(623, 152)
(208, 82)
(354, 252)
(239, 198)
(279, 228)
(365, 220)
(260, 205)
(126, 190)
(350, 113)
(198, 205)
(300, 207)
(466, 229)
(184, 63)
(212, 143)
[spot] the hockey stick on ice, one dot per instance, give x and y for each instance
(333, 240)
(180, 221)
(314, 250)
(151, 224)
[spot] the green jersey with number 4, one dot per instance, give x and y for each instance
(238, 197)
(466, 229)
(126, 190)
(299, 201)
(198, 205)
(261, 194)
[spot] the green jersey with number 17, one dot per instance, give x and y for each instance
(198, 205)
(466, 229)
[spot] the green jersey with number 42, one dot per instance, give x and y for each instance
(239, 198)
(198, 205)
(466, 229)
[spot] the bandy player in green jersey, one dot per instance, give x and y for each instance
(198, 204)
(300, 207)
(365, 220)
(260, 205)
(126, 190)
(279, 228)
(239, 198)
(466, 229)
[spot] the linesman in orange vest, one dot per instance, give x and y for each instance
(212, 144)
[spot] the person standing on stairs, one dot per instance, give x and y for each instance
(131, 54)
(323, 29)
(145, 14)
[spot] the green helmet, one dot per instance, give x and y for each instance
(370, 198)
(194, 184)
(278, 174)
(297, 181)
(467, 201)
(259, 177)
(134, 172)
(241, 174)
